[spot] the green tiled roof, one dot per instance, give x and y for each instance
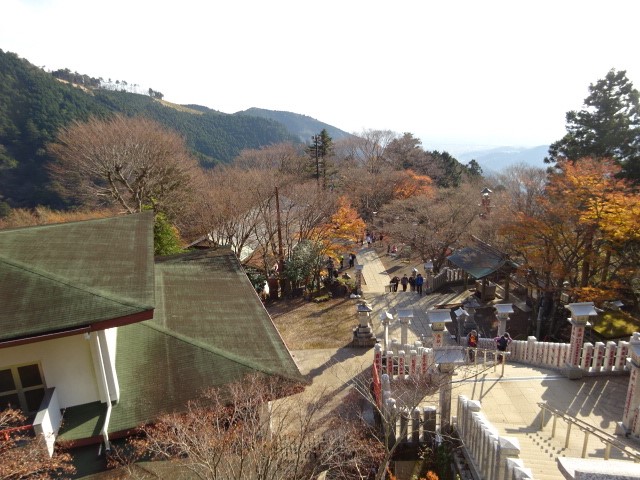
(209, 329)
(65, 276)
(479, 260)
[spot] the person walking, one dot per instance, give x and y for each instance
(404, 282)
(419, 283)
(412, 283)
(472, 344)
(395, 281)
(502, 343)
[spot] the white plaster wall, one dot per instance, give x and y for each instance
(111, 335)
(66, 364)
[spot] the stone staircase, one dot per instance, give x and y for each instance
(539, 452)
(539, 449)
(550, 435)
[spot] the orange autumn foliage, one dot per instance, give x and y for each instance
(344, 228)
(430, 476)
(411, 184)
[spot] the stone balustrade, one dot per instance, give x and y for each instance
(493, 456)
(398, 364)
(444, 277)
(598, 358)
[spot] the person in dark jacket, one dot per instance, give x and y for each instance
(502, 343)
(404, 281)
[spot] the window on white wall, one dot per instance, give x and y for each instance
(22, 387)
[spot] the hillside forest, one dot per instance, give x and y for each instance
(73, 151)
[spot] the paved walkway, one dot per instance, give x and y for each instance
(376, 279)
(510, 402)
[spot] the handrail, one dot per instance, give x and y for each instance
(605, 437)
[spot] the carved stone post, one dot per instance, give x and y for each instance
(580, 313)
(632, 400)
(386, 318)
(404, 317)
(508, 447)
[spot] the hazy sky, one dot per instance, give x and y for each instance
(453, 73)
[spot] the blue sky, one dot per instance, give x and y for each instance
(455, 74)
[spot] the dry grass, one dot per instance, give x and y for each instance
(307, 325)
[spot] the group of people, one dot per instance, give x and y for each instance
(415, 282)
(370, 237)
(501, 342)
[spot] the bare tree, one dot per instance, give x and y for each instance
(131, 162)
(24, 456)
(432, 226)
(228, 207)
(241, 432)
(286, 158)
(366, 149)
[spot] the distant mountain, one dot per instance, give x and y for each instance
(34, 105)
(302, 127)
(498, 158)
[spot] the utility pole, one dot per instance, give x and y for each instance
(280, 248)
(316, 139)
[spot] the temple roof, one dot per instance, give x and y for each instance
(480, 260)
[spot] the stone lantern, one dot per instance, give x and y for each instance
(447, 360)
(428, 277)
(580, 314)
(461, 316)
(502, 312)
(386, 318)
(358, 269)
(404, 317)
(437, 320)
(363, 335)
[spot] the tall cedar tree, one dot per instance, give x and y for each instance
(609, 126)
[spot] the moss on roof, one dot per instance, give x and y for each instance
(209, 329)
(64, 276)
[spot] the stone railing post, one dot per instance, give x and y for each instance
(508, 447)
(587, 356)
(404, 425)
(429, 424)
(413, 364)
(621, 355)
(490, 468)
(598, 356)
(390, 364)
(401, 365)
(632, 400)
(377, 357)
(609, 356)
(415, 426)
(531, 349)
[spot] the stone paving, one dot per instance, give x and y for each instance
(509, 401)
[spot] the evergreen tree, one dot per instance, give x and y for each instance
(609, 126)
(320, 151)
